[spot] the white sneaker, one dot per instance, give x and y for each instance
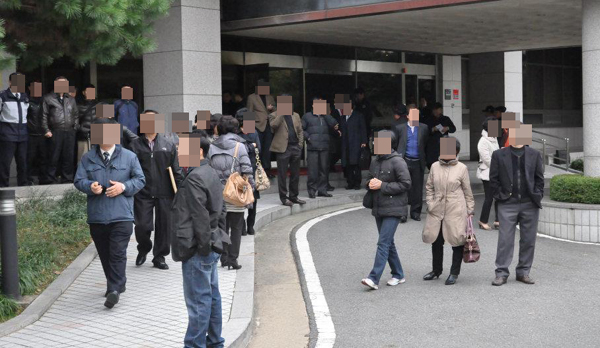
(395, 281)
(368, 282)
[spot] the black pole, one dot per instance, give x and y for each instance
(9, 245)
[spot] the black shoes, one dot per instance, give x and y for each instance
(120, 291)
(112, 298)
(330, 188)
(234, 265)
(526, 280)
(288, 203)
(325, 195)
(357, 187)
(499, 281)
(349, 187)
(298, 201)
(415, 217)
(140, 259)
(160, 264)
(403, 219)
(451, 279)
(431, 275)
(311, 195)
(250, 231)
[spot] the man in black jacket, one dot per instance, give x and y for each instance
(517, 181)
(60, 121)
(412, 137)
(317, 126)
(87, 113)
(196, 211)
(156, 155)
(37, 149)
(439, 126)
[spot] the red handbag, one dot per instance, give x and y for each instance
(471, 252)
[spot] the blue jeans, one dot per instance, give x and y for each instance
(386, 249)
(203, 301)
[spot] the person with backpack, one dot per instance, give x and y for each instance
(126, 110)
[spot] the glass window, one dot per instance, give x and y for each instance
(381, 90)
(419, 58)
(552, 88)
(378, 55)
(263, 46)
(329, 51)
(110, 79)
(288, 81)
(534, 56)
(533, 87)
(572, 91)
(572, 56)
(554, 57)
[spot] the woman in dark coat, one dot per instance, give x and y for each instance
(389, 182)
(354, 137)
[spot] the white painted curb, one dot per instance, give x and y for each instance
(325, 328)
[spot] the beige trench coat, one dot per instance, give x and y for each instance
(449, 202)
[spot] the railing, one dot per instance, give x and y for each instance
(566, 159)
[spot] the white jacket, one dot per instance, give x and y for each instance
(486, 146)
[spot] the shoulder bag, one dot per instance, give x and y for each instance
(260, 177)
(238, 190)
(471, 252)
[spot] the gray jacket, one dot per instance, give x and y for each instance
(317, 129)
(391, 199)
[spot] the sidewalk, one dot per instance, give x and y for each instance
(152, 311)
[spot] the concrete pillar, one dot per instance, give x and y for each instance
(591, 86)
(184, 73)
(452, 80)
(494, 79)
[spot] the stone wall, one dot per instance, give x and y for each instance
(570, 221)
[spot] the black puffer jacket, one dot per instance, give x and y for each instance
(392, 198)
(59, 114)
(317, 130)
(34, 117)
(87, 113)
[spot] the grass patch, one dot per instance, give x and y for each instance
(51, 234)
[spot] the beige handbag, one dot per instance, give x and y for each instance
(260, 177)
(238, 190)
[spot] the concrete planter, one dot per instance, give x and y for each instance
(570, 221)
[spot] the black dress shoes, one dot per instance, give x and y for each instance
(298, 201)
(234, 265)
(415, 217)
(431, 275)
(311, 195)
(140, 259)
(451, 279)
(251, 231)
(330, 188)
(403, 219)
(288, 203)
(112, 298)
(325, 194)
(349, 187)
(120, 291)
(160, 264)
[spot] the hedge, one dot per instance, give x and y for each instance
(577, 164)
(575, 189)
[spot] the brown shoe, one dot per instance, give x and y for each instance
(525, 279)
(499, 281)
(288, 203)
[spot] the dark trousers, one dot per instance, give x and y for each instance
(318, 171)
(289, 159)
(111, 241)
(265, 139)
(353, 175)
(487, 203)
(415, 196)
(234, 223)
(145, 222)
(62, 151)
(437, 250)
(37, 158)
(251, 217)
(510, 214)
(8, 150)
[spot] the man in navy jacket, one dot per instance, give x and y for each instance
(110, 175)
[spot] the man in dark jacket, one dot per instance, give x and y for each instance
(156, 154)
(517, 181)
(110, 176)
(363, 105)
(439, 126)
(195, 219)
(60, 121)
(14, 103)
(412, 137)
(37, 149)
(335, 143)
(317, 126)
(87, 113)
(354, 138)
(126, 110)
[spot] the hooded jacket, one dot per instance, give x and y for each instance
(391, 200)
(486, 146)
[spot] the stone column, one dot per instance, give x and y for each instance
(591, 86)
(513, 82)
(452, 80)
(184, 73)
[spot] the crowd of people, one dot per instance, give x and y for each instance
(136, 169)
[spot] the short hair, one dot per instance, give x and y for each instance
(13, 74)
(204, 142)
(318, 97)
(126, 85)
(437, 105)
(104, 120)
(60, 78)
(239, 116)
(89, 85)
(228, 124)
(457, 145)
(150, 111)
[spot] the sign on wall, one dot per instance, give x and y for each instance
(447, 94)
(455, 94)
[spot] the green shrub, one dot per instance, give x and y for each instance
(577, 164)
(51, 234)
(575, 189)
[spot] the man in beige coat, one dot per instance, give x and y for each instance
(449, 203)
(262, 103)
(287, 143)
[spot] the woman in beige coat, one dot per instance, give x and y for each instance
(449, 203)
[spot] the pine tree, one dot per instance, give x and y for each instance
(37, 32)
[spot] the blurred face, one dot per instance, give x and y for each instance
(320, 107)
(17, 83)
(447, 148)
(189, 151)
(382, 144)
(226, 97)
(413, 117)
(89, 93)
(61, 86)
(437, 112)
(35, 89)
(105, 134)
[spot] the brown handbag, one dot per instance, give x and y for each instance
(238, 190)
(471, 252)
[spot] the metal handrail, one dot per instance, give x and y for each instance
(544, 158)
(549, 135)
(566, 140)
